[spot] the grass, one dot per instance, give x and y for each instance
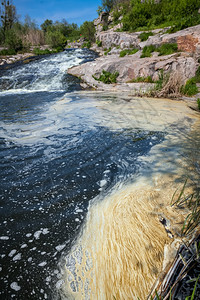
(107, 77)
(192, 201)
(145, 35)
(190, 88)
(164, 49)
(128, 51)
(147, 51)
(167, 49)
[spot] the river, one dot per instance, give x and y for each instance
(64, 152)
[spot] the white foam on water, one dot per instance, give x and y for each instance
(15, 286)
(4, 238)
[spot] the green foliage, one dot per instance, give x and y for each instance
(56, 39)
(105, 27)
(107, 5)
(87, 29)
(107, 77)
(148, 14)
(12, 41)
(106, 51)
(46, 25)
(145, 35)
(99, 43)
(190, 87)
(38, 51)
(197, 75)
(87, 45)
(198, 103)
(167, 48)
(128, 51)
(7, 52)
(147, 50)
(8, 17)
(164, 49)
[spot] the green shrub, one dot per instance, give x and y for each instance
(56, 39)
(12, 41)
(99, 43)
(167, 49)
(164, 49)
(147, 50)
(128, 51)
(38, 51)
(105, 27)
(87, 30)
(87, 45)
(198, 103)
(107, 77)
(145, 35)
(197, 75)
(8, 52)
(106, 51)
(190, 87)
(145, 15)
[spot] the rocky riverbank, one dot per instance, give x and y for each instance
(10, 59)
(131, 68)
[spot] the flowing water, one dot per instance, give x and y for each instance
(75, 206)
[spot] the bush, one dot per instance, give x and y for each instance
(147, 50)
(107, 77)
(164, 49)
(87, 30)
(106, 51)
(198, 103)
(190, 87)
(7, 52)
(167, 49)
(197, 75)
(56, 39)
(87, 45)
(99, 43)
(12, 41)
(145, 35)
(144, 15)
(128, 51)
(38, 51)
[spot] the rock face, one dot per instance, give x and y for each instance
(188, 39)
(131, 67)
(111, 38)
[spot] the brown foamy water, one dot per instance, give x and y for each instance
(120, 250)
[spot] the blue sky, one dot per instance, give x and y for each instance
(76, 11)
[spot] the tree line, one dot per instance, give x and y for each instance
(17, 36)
